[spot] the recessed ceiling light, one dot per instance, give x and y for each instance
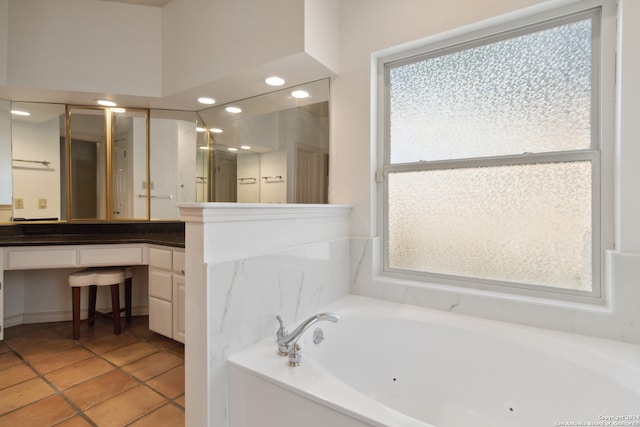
(205, 100)
(245, 147)
(118, 110)
(200, 129)
(274, 81)
(300, 94)
(234, 110)
(20, 113)
(232, 149)
(215, 130)
(106, 103)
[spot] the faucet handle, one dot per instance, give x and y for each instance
(283, 349)
(295, 355)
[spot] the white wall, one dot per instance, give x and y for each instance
(225, 37)
(369, 26)
(84, 45)
(322, 31)
(628, 155)
(4, 39)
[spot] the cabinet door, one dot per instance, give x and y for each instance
(178, 307)
(160, 284)
(161, 317)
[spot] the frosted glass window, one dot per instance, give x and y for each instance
(492, 169)
(528, 224)
(530, 93)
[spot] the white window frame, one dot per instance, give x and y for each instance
(600, 153)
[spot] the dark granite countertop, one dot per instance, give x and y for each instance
(167, 233)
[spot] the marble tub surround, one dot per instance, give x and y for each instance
(246, 264)
(168, 233)
(618, 318)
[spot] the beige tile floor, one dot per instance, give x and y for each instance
(132, 379)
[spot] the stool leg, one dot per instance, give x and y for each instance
(115, 306)
(127, 298)
(93, 291)
(75, 294)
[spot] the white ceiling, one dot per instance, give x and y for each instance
(153, 3)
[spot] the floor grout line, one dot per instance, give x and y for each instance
(139, 337)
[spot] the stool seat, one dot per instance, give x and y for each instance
(97, 276)
(101, 276)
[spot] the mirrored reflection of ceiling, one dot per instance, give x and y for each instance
(258, 114)
(152, 3)
(38, 112)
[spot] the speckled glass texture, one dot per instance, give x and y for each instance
(528, 224)
(530, 93)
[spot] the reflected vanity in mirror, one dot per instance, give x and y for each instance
(272, 148)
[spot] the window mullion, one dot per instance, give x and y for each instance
(527, 158)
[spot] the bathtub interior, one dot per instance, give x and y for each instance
(449, 370)
(450, 377)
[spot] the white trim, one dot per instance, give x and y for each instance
(212, 212)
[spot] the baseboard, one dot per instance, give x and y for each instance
(15, 320)
(60, 316)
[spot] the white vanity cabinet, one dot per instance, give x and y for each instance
(166, 292)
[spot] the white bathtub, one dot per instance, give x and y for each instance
(386, 364)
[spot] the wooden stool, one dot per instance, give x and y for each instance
(101, 276)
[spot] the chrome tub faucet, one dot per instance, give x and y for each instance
(288, 342)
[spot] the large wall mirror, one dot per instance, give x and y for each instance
(37, 160)
(108, 167)
(5, 161)
(172, 161)
(272, 148)
(83, 163)
(77, 163)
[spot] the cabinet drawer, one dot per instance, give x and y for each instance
(160, 258)
(161, 317)
(32, 259)
(178, 262)
(160, 284)
(110, 256)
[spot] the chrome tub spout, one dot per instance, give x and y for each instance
(288, 342)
